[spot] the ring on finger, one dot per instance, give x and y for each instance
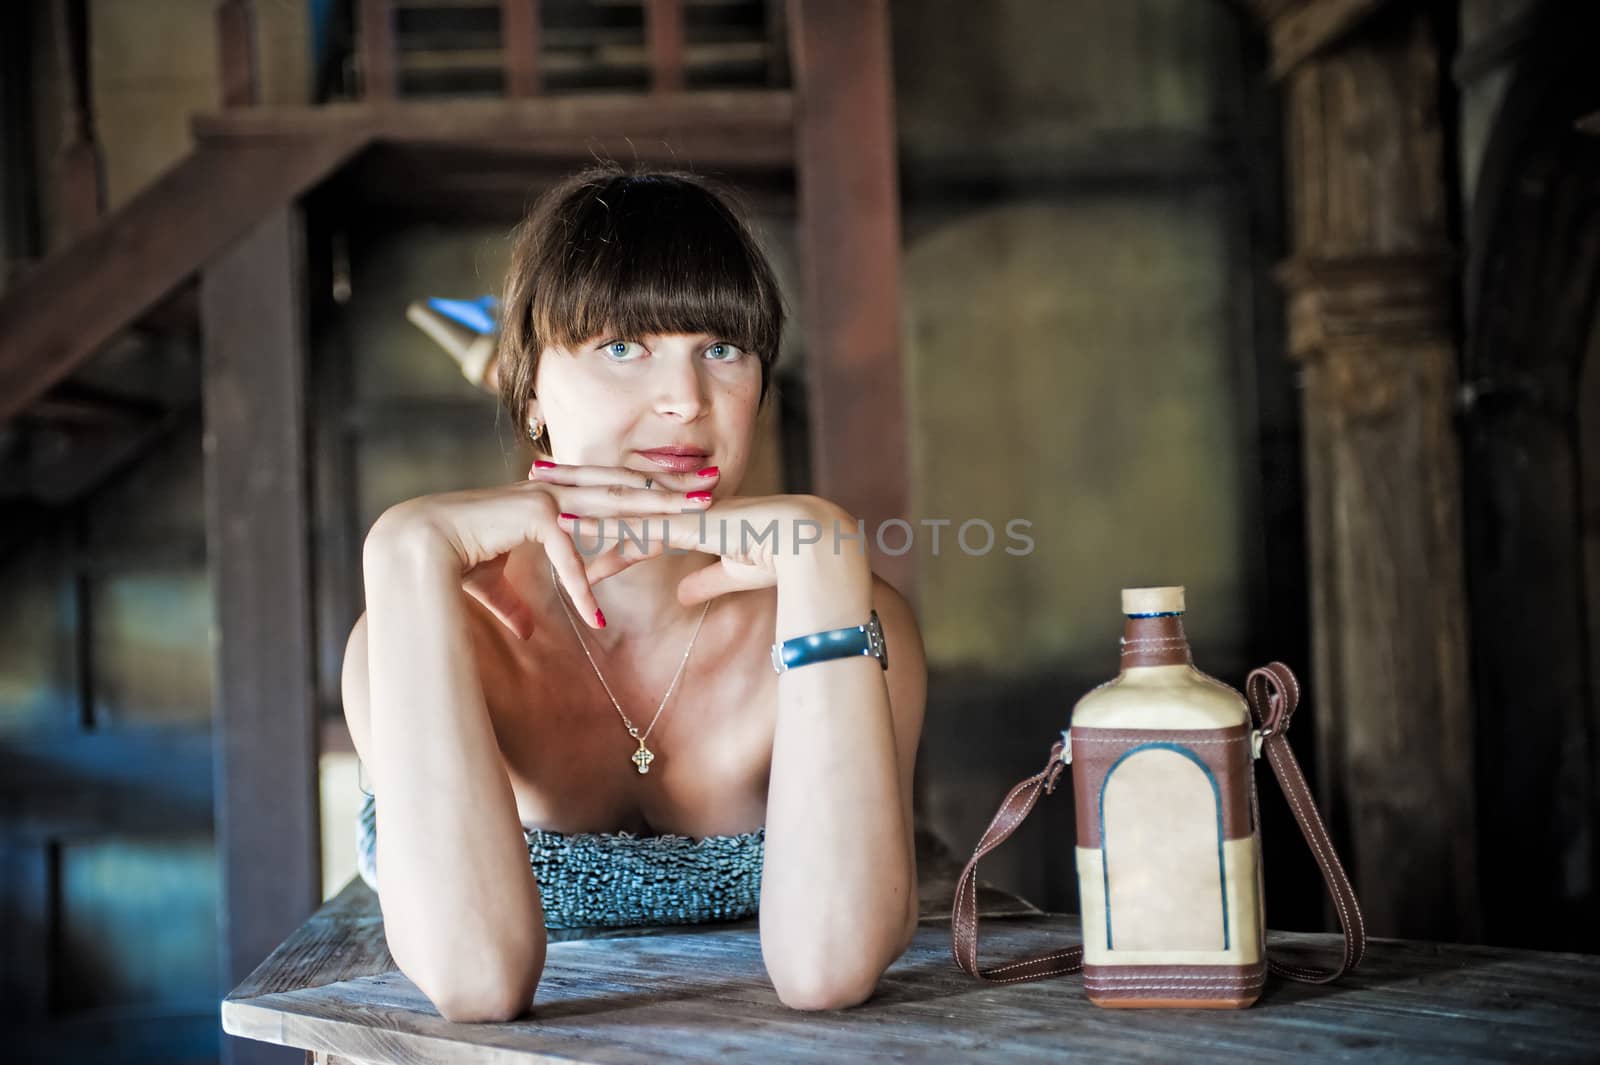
(649, 481)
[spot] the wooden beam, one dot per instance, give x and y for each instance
(60, 313)
(520, 34)
(379, 80)
(727, 127)
(438, 184)
(236, 53)
(850, 246)
(664, 29)
(1313, 27)
(106, 781)
(257, 531)
(88, 405)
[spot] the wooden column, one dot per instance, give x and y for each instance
(236, 53)
(257, 521)
(1531, 427)
(664, 32)
(79, 173)
(519, 37)
(376, 36)
(1370, 287)
(849, 207)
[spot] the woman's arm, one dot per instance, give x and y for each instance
(460, 903)
(839, 887)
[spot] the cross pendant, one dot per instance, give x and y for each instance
(643, 757)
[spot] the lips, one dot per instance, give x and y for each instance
(677, 459)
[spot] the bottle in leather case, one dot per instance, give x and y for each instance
(1168, 838)
(1169, 852)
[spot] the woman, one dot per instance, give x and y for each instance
(598, 683)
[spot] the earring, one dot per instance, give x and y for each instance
(535, 429)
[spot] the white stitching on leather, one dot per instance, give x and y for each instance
(1031, 961)
(1007, 821)
(1176, 987)
(1131, 739)
(1099, 977)
(1288, 695)
(1333, 866)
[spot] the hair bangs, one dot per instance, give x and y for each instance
(643, 258)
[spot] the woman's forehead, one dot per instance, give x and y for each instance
(650, 335)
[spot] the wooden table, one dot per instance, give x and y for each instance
(700, 992)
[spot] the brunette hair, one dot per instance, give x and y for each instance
(649, 251)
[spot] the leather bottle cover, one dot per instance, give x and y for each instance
(1273, 693)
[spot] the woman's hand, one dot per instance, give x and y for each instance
(754, 538)
(478, 528)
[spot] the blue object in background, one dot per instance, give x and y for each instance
(477, 315)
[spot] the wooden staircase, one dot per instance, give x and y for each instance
(215, 248)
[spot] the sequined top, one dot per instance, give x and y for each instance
(617, 880)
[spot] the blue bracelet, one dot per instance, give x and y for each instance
(847, 642)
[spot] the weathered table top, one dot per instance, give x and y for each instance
(692, 993)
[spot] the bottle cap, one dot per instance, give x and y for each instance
(1168, 600)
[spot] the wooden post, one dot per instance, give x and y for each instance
(850, 249)
(257, 521)
(1530, 397)
(236, 52)
(379, 78)
(663, 21)
(519, 37)
(79, 169)
(1370, 286)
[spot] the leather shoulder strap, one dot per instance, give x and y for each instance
(964, 916)
(1273, 694)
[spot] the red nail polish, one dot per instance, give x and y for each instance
(698, 496)
(541, 464)
(570, 517)
(601, 618)
(707, 471)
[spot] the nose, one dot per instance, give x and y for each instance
(681, 391)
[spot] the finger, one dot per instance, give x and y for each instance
(586, 476)
(594, 534)
(610, 563)
(729, 576)
(618, 500)
(569, 565)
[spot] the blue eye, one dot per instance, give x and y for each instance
(734, 351)
(618, 349)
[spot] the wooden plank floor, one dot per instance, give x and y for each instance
(692, 993)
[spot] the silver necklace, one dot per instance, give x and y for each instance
(644, 755)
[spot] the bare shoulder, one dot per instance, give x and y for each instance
(490, 642)
(353, 685)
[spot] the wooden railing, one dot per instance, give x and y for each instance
(528, 55)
